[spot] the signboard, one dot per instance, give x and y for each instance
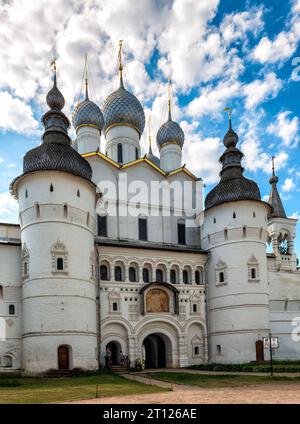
(274, 342)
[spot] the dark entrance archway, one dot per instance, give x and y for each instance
(259, 348)
(63, 358)
(154, 351)
(115, 350)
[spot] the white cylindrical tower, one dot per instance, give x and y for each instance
(124, 120)
(122, 143)
(57, 213)
(235, 233)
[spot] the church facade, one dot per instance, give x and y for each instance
(87, 271)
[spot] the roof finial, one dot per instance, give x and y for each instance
(274, 179)
(53, 65)
(229, 110)
(149, 134)
(86, 78)
(120, 62)
(169, 99)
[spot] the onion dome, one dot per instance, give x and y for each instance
(55, 153)
(122, 108)
(274, 199)
(170, 131)
(87, 113)
(233, 185)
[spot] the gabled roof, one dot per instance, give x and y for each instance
(144, 159)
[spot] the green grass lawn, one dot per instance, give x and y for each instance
(219, 381)
(46, 390)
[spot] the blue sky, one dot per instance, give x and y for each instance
(218, 53)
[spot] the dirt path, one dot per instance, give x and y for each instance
(268, 393)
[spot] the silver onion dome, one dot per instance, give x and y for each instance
(87, 113)
(170, 132)
(122, 107)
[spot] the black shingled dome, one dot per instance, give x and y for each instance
(233, 185)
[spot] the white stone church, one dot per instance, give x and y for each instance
(169, 289)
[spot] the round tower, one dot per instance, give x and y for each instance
(57, 218)
(235, 233)
(170, 139)
(124, 122)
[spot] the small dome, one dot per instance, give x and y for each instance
(55, 99)
(274, 179)
(170, 132)
(154, 159)
(230, 138)
(123, 107)
(87, 113)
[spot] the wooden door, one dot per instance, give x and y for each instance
(63, 358)
(259, 347)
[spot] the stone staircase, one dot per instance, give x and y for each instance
(119, 369)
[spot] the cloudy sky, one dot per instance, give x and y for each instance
(242, 54)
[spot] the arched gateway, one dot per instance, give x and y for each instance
(157, 351)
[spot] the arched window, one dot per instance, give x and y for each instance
(136, 153)
(102, 225)
(26, 193)
(197, 277)
(1, 293)
(103, 273)
(37, 210)
(143, 231)
(132, 274)
(215, 220)
(120, 153)
(59, 264)
(78, 193)
(51, 187)
(146, 278)
(118, 273)
(159, 275)
(181, 232)
(185, 276)
(173, 276)
(244, 232)
(65, 213)
(25, 268)
(234, 215)
(11, 309)
(226, 234)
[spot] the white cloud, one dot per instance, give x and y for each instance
(251, 134)
(259, 91)
(8, 208)
(235, 25)
(288, 185)
(16, 115)
(286, 129)
(295, 215)
(265, 198)
(213, 99)
(283, 45)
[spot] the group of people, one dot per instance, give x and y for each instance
(108, 358)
